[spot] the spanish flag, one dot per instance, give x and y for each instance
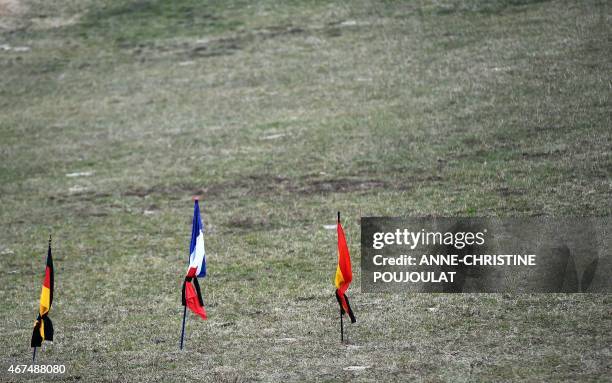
(43, 328)
(344, 274)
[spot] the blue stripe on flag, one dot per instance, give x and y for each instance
(197, 229)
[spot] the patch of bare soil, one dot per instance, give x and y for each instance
(11, 8)
(11, 14)
(14, 15)
(229, 45)
(248, 223)
(50, 22)
(217, 47)
(258, 186)
(267, 186)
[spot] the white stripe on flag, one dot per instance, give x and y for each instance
(197, 257)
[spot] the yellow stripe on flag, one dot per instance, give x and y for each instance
(339, 277)
(45, 301)
(42, 329)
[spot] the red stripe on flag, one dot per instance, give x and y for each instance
(191, 272)
(344, 262)
(191, 298)
(47, 280)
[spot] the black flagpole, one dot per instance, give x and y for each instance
(341, 328)
(183, 329)
(341, 321)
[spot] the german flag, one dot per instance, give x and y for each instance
(43, 328)
(344, 273)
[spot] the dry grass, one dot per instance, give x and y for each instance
(280, 115)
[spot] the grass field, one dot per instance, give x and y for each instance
(279, 115)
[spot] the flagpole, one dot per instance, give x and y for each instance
(195, 199)
(183, 329)
(341, 321)
(341, 328)
(34, 355)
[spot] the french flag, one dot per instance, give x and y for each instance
(192, 295)
(197, 254)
